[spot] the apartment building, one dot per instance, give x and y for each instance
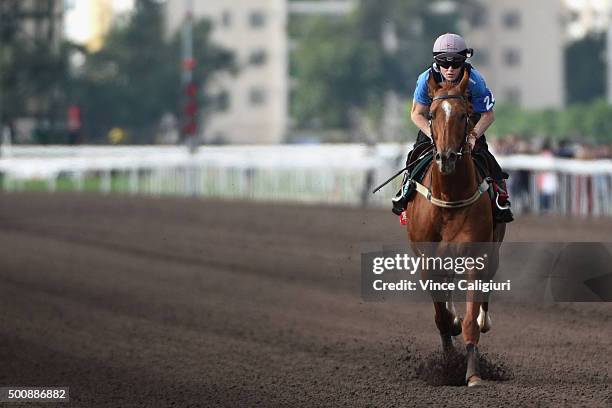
(584, 16)
(253, 103)
(519, 48)
(40, 20)
(29, 22)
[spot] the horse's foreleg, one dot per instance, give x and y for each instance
(456, 320)
(472, 374)
(471, 330)
(499, 232)
(448, 323)
(471, 335)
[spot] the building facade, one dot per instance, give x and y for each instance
(519, 48)
(34, 25)
(584, 16)
(253, 102)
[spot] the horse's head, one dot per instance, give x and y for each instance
(449, 118)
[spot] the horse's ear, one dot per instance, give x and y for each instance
(464, 82)
(432, 85)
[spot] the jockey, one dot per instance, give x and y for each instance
(449, 62)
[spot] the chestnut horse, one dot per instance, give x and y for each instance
(455, 209)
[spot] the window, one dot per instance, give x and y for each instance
(478, 17)
(257, 57)
(511, 19)
(257, 19)
(481, 57)
(257, 96)
(511, 57)
(226, 19)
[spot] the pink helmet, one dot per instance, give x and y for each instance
(451, 45)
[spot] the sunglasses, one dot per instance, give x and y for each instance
(455, 63)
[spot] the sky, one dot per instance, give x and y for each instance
(77, 17)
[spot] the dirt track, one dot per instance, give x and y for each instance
(169, 302)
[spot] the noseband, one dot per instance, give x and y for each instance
(460, 151)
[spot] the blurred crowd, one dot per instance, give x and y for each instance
(512, 144)
(550, 190)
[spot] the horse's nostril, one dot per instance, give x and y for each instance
(437, 156)
(452, 155)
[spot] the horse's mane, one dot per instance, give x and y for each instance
(447, 86)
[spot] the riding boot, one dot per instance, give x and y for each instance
(501, 206)
(406, 193)
(401, 199)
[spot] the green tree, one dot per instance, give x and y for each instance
(341, 64)
(334, 73)
(583, 122)
(136, 77)
(585, 69)
(596, 121)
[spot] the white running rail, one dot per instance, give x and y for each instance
(339, 173)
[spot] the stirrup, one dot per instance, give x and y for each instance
(504, 207)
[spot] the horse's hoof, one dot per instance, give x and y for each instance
(475, 381)
(484, 320)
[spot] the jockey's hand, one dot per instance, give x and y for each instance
(472, 136)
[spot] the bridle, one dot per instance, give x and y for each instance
(459, 153)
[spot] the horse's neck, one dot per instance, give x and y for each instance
(459, 185)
